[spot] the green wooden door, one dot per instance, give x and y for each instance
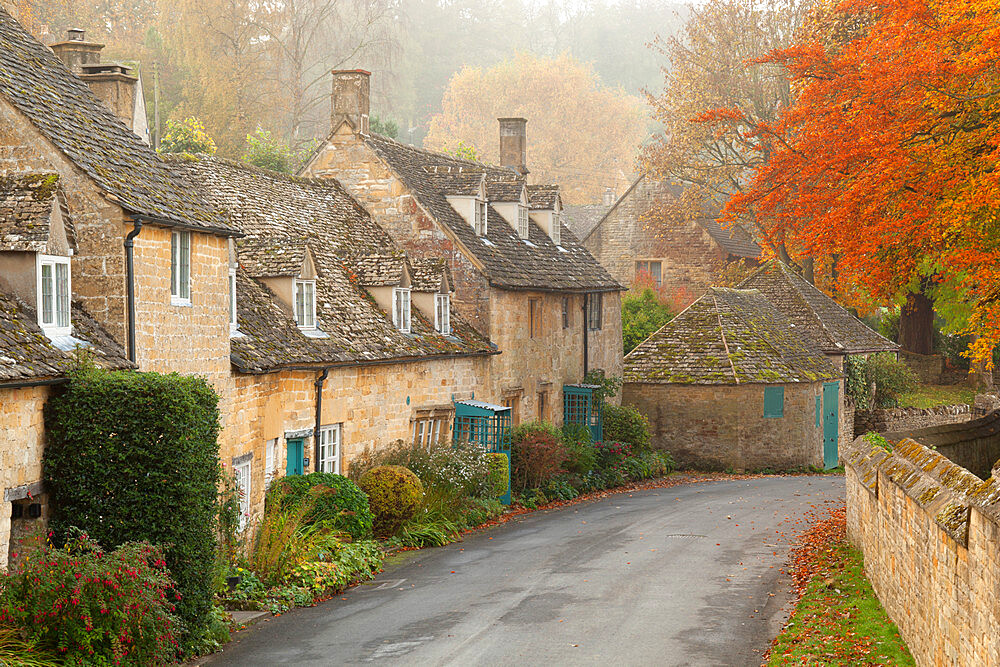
(831, 423)
(296, 454)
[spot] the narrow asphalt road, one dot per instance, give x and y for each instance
(685, 575)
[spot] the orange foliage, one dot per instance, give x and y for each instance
(889, 157)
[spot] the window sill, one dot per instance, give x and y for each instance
(177, 301)
(313, 332)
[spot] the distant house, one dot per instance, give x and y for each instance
(521, 278)
(729, 384)
(683, 256)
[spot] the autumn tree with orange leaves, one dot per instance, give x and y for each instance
(888, 159)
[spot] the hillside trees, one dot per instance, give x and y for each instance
(582, 134)
(888, 159)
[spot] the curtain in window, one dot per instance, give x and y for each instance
(62, 295)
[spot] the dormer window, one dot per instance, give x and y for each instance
(442, 313)
(557, 228)
(54, 295)
(522, 221)
(480, 223)
(401, 308)
(180, 268)
(305, 304)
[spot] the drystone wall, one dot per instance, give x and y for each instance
(930, 533)
(892, 420)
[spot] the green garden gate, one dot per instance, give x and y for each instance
(488, 426)
(583, 405)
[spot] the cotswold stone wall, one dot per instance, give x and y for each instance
(691, 260)
(723, 426)
(22, 438)
(894, 420)
(930, 533)
(974, 445)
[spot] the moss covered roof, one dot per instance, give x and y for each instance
(728, 336)
(26, 205)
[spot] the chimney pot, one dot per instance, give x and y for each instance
(76, 35)
(514, 144)
(351, 99)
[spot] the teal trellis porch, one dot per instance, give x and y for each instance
(488, 426)
(583, 405)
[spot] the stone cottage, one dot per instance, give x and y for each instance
(824, 325)
(102, 246)
(728, 384)
(521, 278)
(339, 340)
(683, 256)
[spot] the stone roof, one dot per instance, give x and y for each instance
(456, 182)
(66, 112)
(27, 354)
(825, 324)
(266, 257)
(727, 336)
(542, 197)
(504, 190)
(273, 208)
(427, 274)
(583, 218)
(382, 270)
(26, 205)
(508, 261)
(735, 241)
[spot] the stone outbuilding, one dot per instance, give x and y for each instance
(683, 256)
(727, 384)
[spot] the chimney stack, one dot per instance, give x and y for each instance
(514, 144)
(76, 51)
(351, 99)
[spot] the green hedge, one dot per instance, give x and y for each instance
(346, 510)
(623, 423)
(499, 473)
(135, 456)
(394, 493)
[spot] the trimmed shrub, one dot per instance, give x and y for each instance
(499, 473)
(623, 423)
(135, 456)
(92, 607)
(464, 468)
(345, 509)
(581, 455)
(537, 458)
(394, 494)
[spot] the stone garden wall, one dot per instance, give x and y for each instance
(906, 419)
(930, 533)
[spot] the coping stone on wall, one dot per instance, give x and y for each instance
(23, 491)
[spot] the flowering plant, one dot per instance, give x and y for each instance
(93, 606)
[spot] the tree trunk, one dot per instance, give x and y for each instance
(809, 269)
(916, 324)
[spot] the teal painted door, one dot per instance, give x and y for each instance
(831, 423)
(296, 453)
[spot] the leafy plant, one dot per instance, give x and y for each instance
(345, 509)
(394, 494)
(186, 136)
(15, 651)
(525, 429)
(464, 467)
(267, 152)
(878, 380)
(624, 423)
(608, 386)
(135, 456)
(581, 454)
(88, 605)
(642, 315)
(877, 440)
(499, 464)
(537, 457)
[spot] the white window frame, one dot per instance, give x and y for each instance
(330, 439)
(428, 431)
(401, 308)
(57, 321)
(523, 224)
(180, 268)
(481, 212)
(233, 323)
(557, 228)
(244, 482)
(270, 461)
(306, 317)
(442, 313)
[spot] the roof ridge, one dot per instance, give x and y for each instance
(436, 154)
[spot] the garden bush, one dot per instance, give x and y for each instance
(877, 381)
(623, 423)
(499, 463)
(394, 493)
(526, 429)
(464, 467)
(537, 457)
(93, 607)
(581, 454)
(345, 509)
(135, 457)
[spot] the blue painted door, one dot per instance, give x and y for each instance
(831, 423)
(296, 452)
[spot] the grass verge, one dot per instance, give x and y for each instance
(933, 395)
(838, 619)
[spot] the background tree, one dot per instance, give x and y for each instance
(187, 136)
(582, 134)
(643, 313)
(711, 75)
(889, 159)
(264, 151)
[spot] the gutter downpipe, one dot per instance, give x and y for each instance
(319, 415)
(585, 350)
(130, 284)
